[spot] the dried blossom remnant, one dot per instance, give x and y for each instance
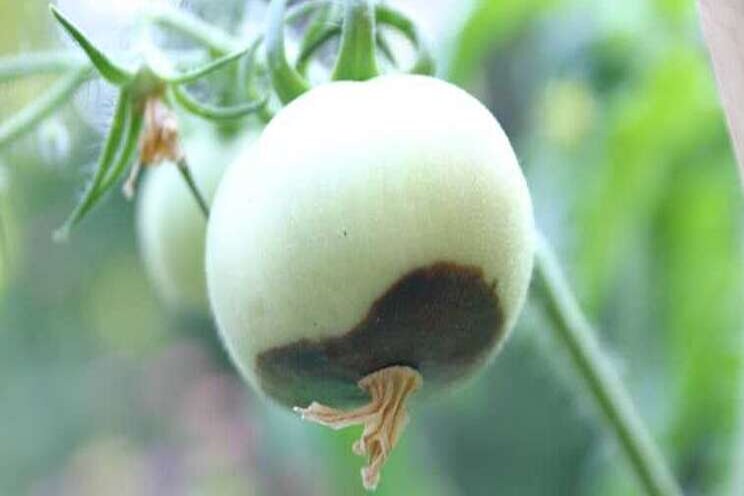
(160, 142)
(384, 417)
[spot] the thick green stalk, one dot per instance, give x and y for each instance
(357, 59)
(42, 107)
(577, 335)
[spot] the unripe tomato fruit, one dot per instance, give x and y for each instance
(376, 224)
(171, 229)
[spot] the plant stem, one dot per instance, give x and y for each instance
(574, 331)
(357, 55)
(38, 110)
(183, 168)
(33, 64)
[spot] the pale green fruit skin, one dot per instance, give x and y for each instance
(171, 230)
(351, 187)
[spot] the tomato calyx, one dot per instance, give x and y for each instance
(361, 37)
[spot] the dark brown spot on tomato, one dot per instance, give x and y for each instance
(442, 320)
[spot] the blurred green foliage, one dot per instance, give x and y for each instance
(614, 115)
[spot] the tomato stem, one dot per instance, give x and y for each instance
(577, 335)
(183, 168)
(357, 60)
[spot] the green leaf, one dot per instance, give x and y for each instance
(122, 116)
(490, 24)
(110, 71)
(698, 255)
(650, 130)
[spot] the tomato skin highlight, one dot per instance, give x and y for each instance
(171, 230)
(352, 188)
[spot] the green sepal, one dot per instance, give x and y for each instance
(122, 116)
(128, 151)
(424, 63)
(323, 26)
(111, 72)
(215, 113)
(288, 83)
(199, 72)
(386, 49)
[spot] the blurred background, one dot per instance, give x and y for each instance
(613, 112)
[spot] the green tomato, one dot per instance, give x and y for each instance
(375, 224)
(171, 229)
